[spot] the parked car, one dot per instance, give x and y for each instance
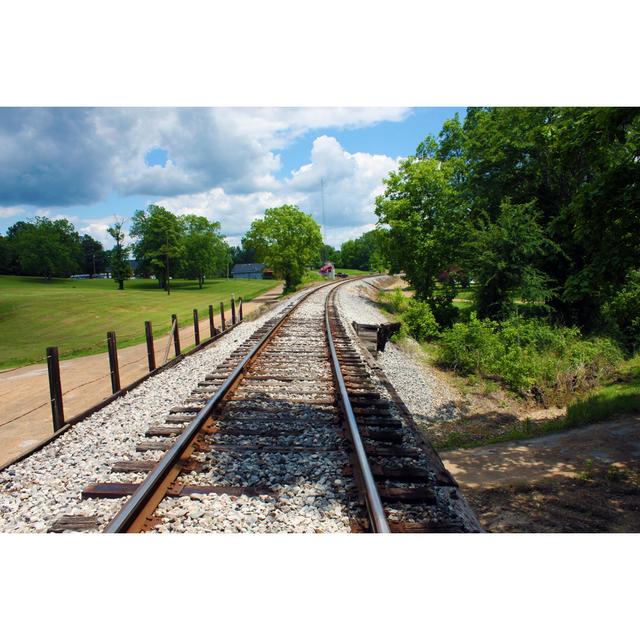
(342, 275)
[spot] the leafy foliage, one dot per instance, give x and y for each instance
(288, 240)
(533, 203)
(539, 361)
(364, 253)
(44, 247)
(119, 255)
(205, 251)
(623, 310)
(159, 245)
(506, 257)
(419, 321)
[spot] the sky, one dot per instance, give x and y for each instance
(95, 165)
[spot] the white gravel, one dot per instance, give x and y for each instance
(426, 395)
(48, 484)
(310, 493)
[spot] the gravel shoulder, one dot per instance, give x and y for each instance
(429, 398)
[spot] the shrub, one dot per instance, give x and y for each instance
(623, 311)
(531, 357)
(395, 301)
(419, 321)
(470, 347)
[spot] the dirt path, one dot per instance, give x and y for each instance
(585, 479)
(27, 388)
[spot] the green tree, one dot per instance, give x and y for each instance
(581, 166)
(365, 252)
(505, 254)
(119, 255)
(428, 224)
(6, 255)
(160, 242)
(44, 247)
(243, 254)
(94, 258)
(205, 251)
(288, 240)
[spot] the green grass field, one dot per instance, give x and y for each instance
(75, 315)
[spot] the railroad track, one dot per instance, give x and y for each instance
(293, 432)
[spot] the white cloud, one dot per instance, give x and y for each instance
(221, 162)
(10, 212)
(352, 181)
(73, 156)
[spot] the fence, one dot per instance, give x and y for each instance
(53, 360)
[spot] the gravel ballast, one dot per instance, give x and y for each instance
(48, 484)
(427, 396)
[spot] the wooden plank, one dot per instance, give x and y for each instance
(154, 446)
(121, 489)
(424, 527)
(133, 466)
(260, 449)
(73, 523)
(412, 495)
(187, 409)
(392, 452)
(259, 433)
(382, 435)
(178, 419)
(164, 431)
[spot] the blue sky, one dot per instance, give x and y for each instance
(93, 165)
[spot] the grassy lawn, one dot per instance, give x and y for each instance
(353, 272)
(75, 315)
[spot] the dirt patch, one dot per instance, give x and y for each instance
(601, 502)
(487, 412)
(583, 480)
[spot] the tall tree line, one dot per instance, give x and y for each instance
(188, 246)
(533, 204)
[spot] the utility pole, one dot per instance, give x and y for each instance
(324, 241)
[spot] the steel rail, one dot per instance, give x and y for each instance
(132, 509)
(377, 517)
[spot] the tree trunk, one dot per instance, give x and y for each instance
(120, 285)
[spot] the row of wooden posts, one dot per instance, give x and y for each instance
(53, 359)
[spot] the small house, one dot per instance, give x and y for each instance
(252, 270)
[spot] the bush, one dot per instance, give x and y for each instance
(623, 311)
(470, 347)
(531, 357)
(395, 301)
(419, 321)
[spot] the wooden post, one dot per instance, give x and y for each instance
(196, 327)
(212, 326)
(176, 334)
(55, 388)
(233, 311)
(113, 361)
(222, 323)
(240, 308)
(151, 354)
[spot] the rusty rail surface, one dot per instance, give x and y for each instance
(158, 479)
(377, 515)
